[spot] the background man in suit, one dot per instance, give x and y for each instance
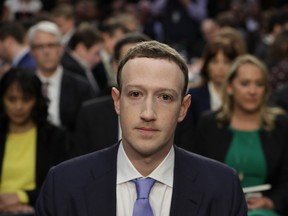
(13, 46)
(66, 92)
(150, 101)
(83, 53)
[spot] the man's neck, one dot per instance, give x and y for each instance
(146, 164)
(47, 73)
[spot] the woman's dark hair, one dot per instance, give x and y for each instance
(229, 41)
(31, 86)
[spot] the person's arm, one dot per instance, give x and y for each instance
(239, 207)
(260, 203)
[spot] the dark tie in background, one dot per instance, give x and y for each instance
(142, 206)
(45, 89)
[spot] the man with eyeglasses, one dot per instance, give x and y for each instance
(66, 92)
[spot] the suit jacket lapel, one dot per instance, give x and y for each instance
(185, 198)
(100, 194)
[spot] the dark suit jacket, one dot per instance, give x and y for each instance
(86, 186)
(27, 61)
(51, 148)
(72, 65)
(213, 141)
(281, 98)
(97, 127)
(74, 91)
(200, 102)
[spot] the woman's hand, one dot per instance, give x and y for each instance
(260, 202)
(18, 208)
(8, 199)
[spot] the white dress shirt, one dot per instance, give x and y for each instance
(215, 100)
(53, 93)
(161, 192)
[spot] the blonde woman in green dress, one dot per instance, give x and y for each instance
(249, 136)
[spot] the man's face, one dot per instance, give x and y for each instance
(150, 105)
(64, 24)
(47, 51)
(110, 41)
(92, 54)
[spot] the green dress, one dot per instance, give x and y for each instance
(247, 157)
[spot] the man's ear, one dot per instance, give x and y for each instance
(184, 107)
(116, 98)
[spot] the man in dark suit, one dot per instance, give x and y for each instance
(149, 101)
(66, 92)
(13, 47)
(83, 53)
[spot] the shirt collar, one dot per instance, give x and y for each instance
(215, 99)
(54, 79)
(164, 173)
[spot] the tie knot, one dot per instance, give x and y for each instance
(143, 187)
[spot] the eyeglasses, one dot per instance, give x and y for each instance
(43, 46)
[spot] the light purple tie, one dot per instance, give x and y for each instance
(142, 206)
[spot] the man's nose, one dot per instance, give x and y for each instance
(148, 111)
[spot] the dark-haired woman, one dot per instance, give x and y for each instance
(29, 145)
(217, 58)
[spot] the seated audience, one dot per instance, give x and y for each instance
(249, 136)
(217, 58)
(29, 145)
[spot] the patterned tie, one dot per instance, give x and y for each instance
(142, 206)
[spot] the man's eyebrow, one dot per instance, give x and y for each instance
(159, 89)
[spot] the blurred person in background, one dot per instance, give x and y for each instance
(249, 136)
(29, 144)
(218, 56)
(66, 91)
(177, 23)
(272, 26)
(14, 49)
(22, 9)
(278, 61)
(83, 54)
(112, 29)
(65, 17)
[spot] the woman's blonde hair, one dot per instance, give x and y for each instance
(267, 114)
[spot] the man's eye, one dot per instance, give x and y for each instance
(166, 97)
(134, 94)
